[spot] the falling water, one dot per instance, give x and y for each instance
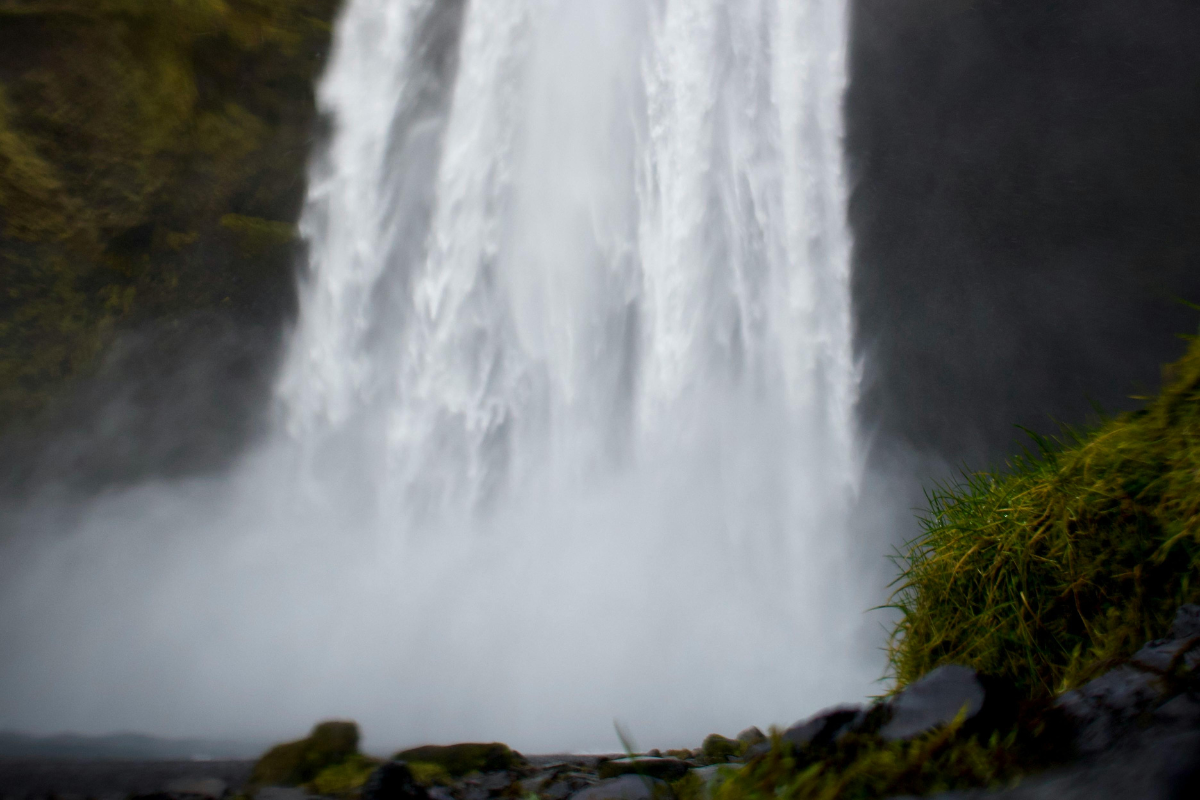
(565, 429)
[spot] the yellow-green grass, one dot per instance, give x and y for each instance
(1058, 569)
(864, 766)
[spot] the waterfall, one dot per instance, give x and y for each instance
(560, 243)
(565, 430)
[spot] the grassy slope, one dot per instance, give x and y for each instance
(1057, 570)
(151, 163)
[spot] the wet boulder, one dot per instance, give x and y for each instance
(823, 727)
(1102, 709)
(626, 787)
(935, 700)
(751, 736)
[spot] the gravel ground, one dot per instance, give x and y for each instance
(34, 779)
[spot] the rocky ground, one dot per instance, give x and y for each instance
(1133, 732)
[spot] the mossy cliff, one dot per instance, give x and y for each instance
(152, 160)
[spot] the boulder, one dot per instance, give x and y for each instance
(1180, 648)
(666, 769)
(756, 750)
(1103, 708)
(294, 763)
(717, 749)
(393, 781)
(626, 787)
(1186, 624)
(751, 736)
(823, 727)
(1167, 655)
(933, 701)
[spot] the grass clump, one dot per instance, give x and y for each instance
(864, 766)
(1050, 574)
(331, 744)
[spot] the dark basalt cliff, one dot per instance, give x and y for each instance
(1026, 212)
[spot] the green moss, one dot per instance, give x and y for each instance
(129, 129)
(718, 749)
(1059, 569)
(330, 744)
(257, 236)
(429, 774)
(460, 759)
(345, 779)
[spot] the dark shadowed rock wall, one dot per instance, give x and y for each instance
(1026, 211)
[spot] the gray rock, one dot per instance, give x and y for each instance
(1165, 654)
(667, 769)
(756, 750)
(626, 787)
(1186, 624)
(472, 791)
(564, 784)
(1151, 768)
(934, 700)
(1103, 708)
(751, 735)
(440, 793)
(496, 781)
(280, 793)
(1179, 713)
(821, 727)
(211, 788)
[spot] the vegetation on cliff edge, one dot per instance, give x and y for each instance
(151, 165)
(1054, 572)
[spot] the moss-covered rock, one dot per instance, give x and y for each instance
(345, 779)
(718, 749)
(152, 158)
(330, 744)
(460, 759)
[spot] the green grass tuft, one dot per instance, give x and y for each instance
(1056, 571)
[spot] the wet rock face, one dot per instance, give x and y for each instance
(934, 700)
(1114, 704)
(751, 736)
(626, 787)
